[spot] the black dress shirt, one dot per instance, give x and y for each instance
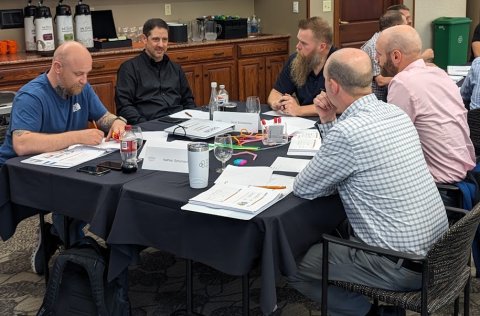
(147, 90)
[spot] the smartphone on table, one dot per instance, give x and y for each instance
(112, 165)
(94, 170)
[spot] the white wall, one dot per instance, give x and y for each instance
(425, 12)
(428, 10)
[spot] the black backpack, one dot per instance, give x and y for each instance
(78, 284)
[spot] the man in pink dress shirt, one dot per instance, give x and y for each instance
(431, 99)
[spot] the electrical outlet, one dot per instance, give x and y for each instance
(168, 9)
(295, 6)
(327, 6)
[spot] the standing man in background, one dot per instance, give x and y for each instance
(476, 43)
(302, 75)
(379, 82)
(150, 85)
(428, 54)
(51, 113)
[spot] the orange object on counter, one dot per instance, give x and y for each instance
(12, 46)
(3, 47)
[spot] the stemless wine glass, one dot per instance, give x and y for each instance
(223, 149)
(253, 104)
(137, 131)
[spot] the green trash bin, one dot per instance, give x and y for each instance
(451, 41)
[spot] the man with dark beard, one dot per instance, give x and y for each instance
(302, 75)
(50, 113)
(431, 99)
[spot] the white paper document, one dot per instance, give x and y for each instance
(275, 113)
(456, 78)
(240, 120)
(110, 146)
(152, 139)
(305, 143)
(188, 114)
(276, 180)
(237, 198)
(245, 175)
(458, 70)
(66, 158)
(289, 164)
(200, 129)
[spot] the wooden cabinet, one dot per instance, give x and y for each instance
(246, 67)
(258, 67)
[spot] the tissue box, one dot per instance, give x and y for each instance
(235, 28)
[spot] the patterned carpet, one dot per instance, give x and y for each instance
(157, 285)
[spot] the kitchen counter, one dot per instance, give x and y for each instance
(23, 57)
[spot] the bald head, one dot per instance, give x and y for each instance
(403, 38)
(351, 68)
(72, 51)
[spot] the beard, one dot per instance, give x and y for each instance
(388, 69)
(302, 66)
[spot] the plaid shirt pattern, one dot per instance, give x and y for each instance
(369, 48)
(372, 156)
(470, 90)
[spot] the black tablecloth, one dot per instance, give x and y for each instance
(27, 189)
(149, 214)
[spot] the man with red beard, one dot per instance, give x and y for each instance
(431, 99)
(302, 75)
(150, 85)
(51, 113)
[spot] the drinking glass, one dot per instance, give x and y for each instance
(253, 104)
(223, 149)
(137, 131)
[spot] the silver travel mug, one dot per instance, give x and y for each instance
(198, 165)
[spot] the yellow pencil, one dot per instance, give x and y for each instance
(272, 187)
(94, 124)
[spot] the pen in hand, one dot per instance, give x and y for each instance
(94, 124)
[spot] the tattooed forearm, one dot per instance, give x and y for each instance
(19, 132)
(105, 122)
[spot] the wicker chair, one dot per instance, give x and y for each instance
(445, 270)
(473, 119)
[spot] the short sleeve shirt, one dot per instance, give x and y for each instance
(306, 93)
(37, 107)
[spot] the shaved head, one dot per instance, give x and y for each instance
(403, 38)
(351, 68)
(71, 51)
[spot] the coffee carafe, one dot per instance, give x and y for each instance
(64, 22)
(83, 24)
(198, 29)
(44, 37)
(28, 17)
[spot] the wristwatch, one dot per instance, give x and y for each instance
(121, 118)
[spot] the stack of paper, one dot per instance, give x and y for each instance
(200, 129)
(305, 143)
(252, 200)
(458, 70)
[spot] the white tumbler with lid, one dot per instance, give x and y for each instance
(198, 165)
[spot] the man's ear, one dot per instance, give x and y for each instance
(57, 66)
(334, 86)
(396, 56)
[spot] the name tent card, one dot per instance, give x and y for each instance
(174, 159)
(248, 121)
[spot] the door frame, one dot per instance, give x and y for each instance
(336, 17)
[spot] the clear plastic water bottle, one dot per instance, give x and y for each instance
(212, 104)
(254, 25)
(128, 150)
(222, 97)
(249, 26)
